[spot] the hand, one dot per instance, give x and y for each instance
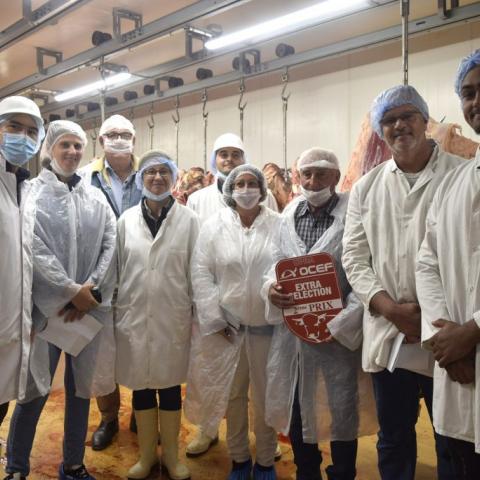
(227, 334)
(405, 316)
(71, 314)
(279, 299)
(463, 370)
(453, 342)
(83, 300)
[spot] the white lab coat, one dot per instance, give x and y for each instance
(15, 294)
(227, 268)
(318, 369)
(384, 228)
(71, 235)
(448, 282)
(154, 307)
(208, 201)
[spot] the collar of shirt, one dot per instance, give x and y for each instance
(163, 212)
(304, 209)
(111, 174)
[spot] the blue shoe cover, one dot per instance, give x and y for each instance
(241, 471)
(264, 473)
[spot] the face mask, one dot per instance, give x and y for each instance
(155, 197)
(247, 198)
(119, 145)
(17, 148)
(317, 199)
(59, 170)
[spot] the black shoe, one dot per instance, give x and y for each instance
(103, 435)
(11, 476)
(133, 423)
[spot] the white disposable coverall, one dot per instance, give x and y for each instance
(332, 388)
(227, 268)
(448, 285)
(73, 241)
(15, 293)
(153, 320)
(384, 229)
(208, 201)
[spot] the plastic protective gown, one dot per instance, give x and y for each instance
(153, 321)
(15, 294)
(332, 387)
(227, 267)
(73, 242)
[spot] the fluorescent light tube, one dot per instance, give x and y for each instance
(91, 87)
(325, 10)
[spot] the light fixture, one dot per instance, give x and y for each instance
(326, 10)
(91, 87)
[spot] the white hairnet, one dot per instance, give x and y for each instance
(154, 157)
(223, 141)
(17, 104)
(319, 158)
(238, 172)
(468, 63)
(116, 122)
(392, 98)
(58, 129)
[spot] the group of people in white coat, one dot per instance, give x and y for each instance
(137, 290)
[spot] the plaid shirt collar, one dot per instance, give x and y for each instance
(304, 208)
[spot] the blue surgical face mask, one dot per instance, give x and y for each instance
(155, 197)
(17, 148)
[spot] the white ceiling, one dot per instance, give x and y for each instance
(71, 34)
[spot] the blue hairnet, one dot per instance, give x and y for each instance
(155, 157)
(468, 63)
(392, 98)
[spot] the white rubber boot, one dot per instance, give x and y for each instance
(200, 444)
(170, 428)
(147, 434)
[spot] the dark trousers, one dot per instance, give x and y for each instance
(465, 461)
(308, 458)
(397, 397)
(169, 399)
(3, 411)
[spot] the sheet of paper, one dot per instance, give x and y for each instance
(409, 356)
(392, 360)
(71, 337)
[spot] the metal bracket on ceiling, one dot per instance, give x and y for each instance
(243, 63)
(120, 14)
(44, 52)
(194, 33)
(445, 12)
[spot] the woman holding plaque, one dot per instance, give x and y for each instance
(230, 347)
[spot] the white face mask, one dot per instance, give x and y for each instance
(118, 145)
(247, 198)
(317, 199)
(153, 196)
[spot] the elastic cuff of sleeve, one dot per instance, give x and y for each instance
(476, 318)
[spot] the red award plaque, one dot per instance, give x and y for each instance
(312, 280)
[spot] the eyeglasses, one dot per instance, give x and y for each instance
(153, 172)
(391, 120)
(115, 135)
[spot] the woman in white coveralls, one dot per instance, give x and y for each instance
(70, 230)
(230, 351)
(154, 311)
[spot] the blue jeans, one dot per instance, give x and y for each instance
(308, 458)
(25, 418)
(397, 396)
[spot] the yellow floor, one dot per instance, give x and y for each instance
(113, 463)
